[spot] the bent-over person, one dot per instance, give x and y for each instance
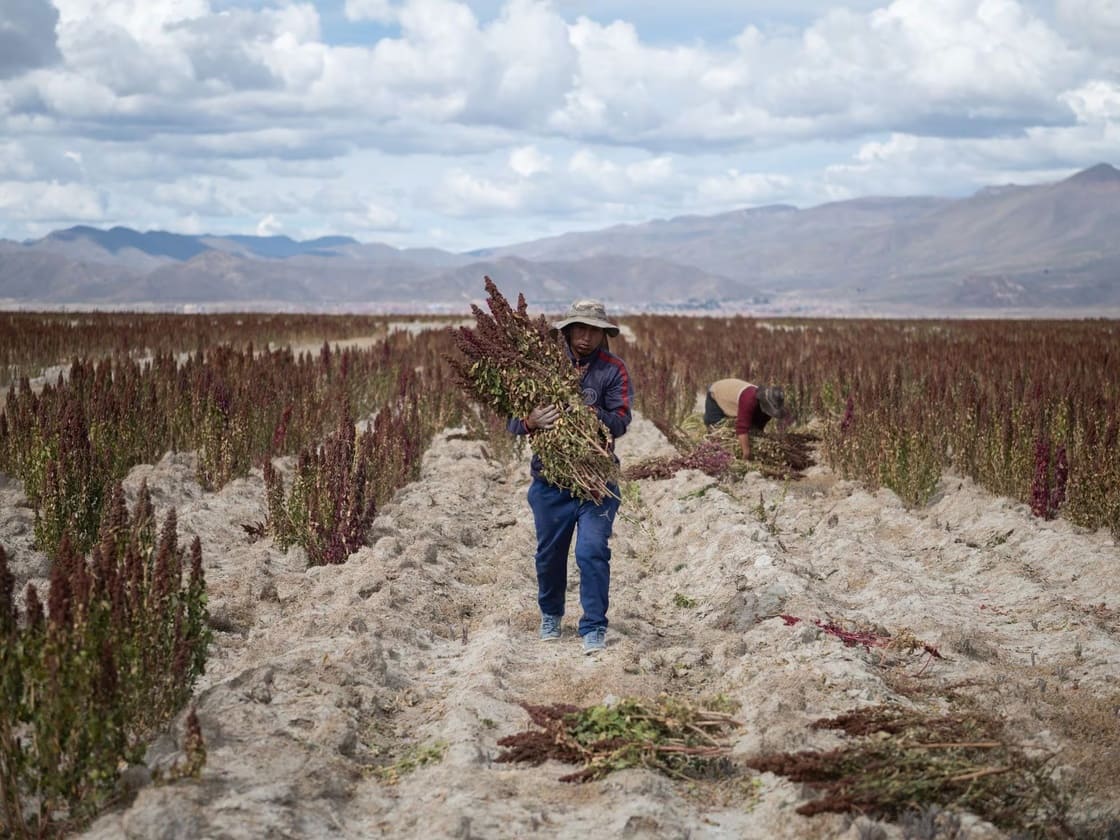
(751, 407)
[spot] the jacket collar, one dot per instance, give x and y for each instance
(582, 361)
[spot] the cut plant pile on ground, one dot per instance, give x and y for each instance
(671, 736)
(779, 455)
(784, 455)
(707, 456)
(511, 363)
(903, 641)
(908, 760)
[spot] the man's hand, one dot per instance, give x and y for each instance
(542, 417)
(745, 447)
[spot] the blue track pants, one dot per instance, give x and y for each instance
(558, 514)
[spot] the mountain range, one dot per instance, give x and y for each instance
(1044, 249)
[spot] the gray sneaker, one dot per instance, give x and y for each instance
(595, 640)
(550, 627)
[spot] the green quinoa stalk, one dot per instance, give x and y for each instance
(511, 363)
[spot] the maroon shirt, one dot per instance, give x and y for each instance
(750, 415)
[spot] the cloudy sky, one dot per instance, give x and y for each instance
(468, 124)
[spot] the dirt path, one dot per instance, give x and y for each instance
(421, 647)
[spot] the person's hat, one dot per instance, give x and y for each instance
(772, 401)
(590, 312)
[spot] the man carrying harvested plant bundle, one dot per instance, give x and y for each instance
(752, 406)
(558, 512)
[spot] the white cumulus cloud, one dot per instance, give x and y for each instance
(1097, 21)
(50, 201)
(528, 161)
(742, 188)
(1097, 101)
(464, 193)
(14, 161)
(381, 11)
(269, 226)
(373, 218)
(458, 114)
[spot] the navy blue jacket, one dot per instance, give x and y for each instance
(606, 386)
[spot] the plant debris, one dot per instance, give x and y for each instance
(415, 757)
(905, 760)
(785, 455)
(707, 456)
(671, 736)
(782, 454)
(903, 640)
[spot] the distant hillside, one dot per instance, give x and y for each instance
(156, 243)
(177, 246)
(281, 247)
(1049, 247)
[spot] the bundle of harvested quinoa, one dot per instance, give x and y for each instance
(511, 364)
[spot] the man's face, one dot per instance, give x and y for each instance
(584, 339)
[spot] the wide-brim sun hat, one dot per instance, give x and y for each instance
(590, 312)
(772, 400)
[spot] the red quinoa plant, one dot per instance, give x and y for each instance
(336, 488)
(86, 682)
(898, 401)
(32, 341)
(70, 442)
